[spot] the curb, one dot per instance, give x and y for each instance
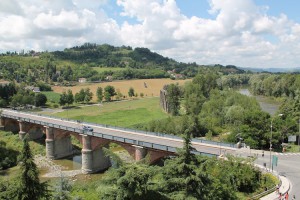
(285, 185)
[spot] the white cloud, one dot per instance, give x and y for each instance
(10, 6)
(238, 32)
(69, 20)
(13, 27)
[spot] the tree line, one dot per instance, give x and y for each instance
(85, 95)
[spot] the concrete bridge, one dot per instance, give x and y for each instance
(138, 143)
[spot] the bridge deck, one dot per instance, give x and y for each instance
(146, 139)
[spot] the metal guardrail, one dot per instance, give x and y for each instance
(115, 138)
(264, 193)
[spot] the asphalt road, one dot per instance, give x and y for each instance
(288, 166)
(133, 135)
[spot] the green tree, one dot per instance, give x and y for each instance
(119, 95)
(88, 95)
(40, 99)
(63, 98)
(296, 104)
(62, 190)
(109, 92)
(173, 97)
(79, 96)
(99, 94)
(130, 182)
(28, 186)
(70, 97)
(131, 92)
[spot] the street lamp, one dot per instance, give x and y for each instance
(271, 164)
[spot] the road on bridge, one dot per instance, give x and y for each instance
(133, 135)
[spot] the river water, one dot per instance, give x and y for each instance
(268, 105)
(71, 167)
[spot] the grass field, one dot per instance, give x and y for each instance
(52, 96)
(152, 89)
(122, 113)
(13, 141)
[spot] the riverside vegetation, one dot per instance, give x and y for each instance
(186, 176)
(207, 104)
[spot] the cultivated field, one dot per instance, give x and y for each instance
(152, 89)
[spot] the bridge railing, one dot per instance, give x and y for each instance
(164, 135)
(221, 144)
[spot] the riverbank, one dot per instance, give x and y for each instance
(52, 169)
(267, 104)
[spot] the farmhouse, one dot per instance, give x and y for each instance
(33, 89)
(82, 80)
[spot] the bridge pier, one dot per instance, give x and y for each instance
(2, 123)
(49, 142)
(93, 160)
(140, 152)
(58, 145)
(22, 132)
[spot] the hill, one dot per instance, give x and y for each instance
(97, 63)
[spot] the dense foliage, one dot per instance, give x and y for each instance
(220, 112)
(8, 156)
(173, 98)
(26, 185)
(186, 176)
(66, 98)
(109, 92)
(84, 96)
(277, 85)
(287, 88)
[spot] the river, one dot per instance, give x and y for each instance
(71, 166)
(268, 105)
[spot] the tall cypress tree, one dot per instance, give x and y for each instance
(29, 186)
(173, 99)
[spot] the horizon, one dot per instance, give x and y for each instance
(248, 34)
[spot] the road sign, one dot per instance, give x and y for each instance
(275, 160)
(292, 138)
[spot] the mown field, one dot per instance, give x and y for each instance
(52, 96)
(119, 113)
(152, 89)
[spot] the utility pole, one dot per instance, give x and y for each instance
(271, 164)
(271, 146)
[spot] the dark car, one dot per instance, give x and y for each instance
(87, 128)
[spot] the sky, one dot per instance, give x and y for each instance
(245, 33)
